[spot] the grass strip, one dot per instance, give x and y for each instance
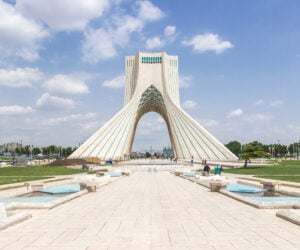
(9, 180)
(282, 178)
(34, 171)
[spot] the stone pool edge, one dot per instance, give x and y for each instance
(49, 205)
(14, 219)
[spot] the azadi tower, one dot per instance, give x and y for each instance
(151, 85)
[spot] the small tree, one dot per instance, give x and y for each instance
(252, 151)
(147, 155)
(234, 147)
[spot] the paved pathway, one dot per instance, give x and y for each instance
(153, 210)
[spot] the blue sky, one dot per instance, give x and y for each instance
(62, 67)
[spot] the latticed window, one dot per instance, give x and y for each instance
(156, 59)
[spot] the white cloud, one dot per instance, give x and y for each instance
(63, 14)
(184, 81)
(115, 83)
(48, 102)
(158, 42)
(209, 123)
(189, 104)
(102, 43)
(153, 43)
(15, 110)
(235, 113)
(64, 84)
(20, 36)
(170, 30)
(71, 118)
(149, 12)
(257, 117)
(125, 25)
(160, 120)
(90, 126)
(20, 77)
(208, 42)
(293, 127)
(93, 50)
(258, 102)
(147, 127)
(276, 103)
(29, 55)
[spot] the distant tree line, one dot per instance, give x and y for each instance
(256, 149)
(50, 151)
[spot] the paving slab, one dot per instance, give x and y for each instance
(153, 210)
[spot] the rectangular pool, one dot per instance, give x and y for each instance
(48, 198)
(260, 198)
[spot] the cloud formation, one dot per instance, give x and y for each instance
(276, 103)
(185, 81)
(170, 30)
(115, 83)
(93, 51)
(257, 117)
(154, 43)
(20, 36)
(117, 32)
(209, 123)
(235, 113)
(55, 16)
(148, 127)
(66, 85)
(208, 42)
(148, 11)
(189, 104)
(71, 118)
(20, 77)
(258, 102)
(15, 110)
(49, 102)
(119, 35)
(158, 42)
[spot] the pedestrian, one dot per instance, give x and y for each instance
(206, 169)
(220, 169)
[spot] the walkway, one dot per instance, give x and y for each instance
(153, 210)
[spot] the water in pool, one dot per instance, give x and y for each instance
(261, 195)
(48, 195)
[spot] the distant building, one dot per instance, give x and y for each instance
(12, 146)
(133, 155)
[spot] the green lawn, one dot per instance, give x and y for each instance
(286, 170)
(282, 177)
(22, 174)
(6, 158)
(8, 180)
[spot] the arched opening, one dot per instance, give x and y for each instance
(151, 134)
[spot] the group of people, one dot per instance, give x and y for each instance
(218, 169)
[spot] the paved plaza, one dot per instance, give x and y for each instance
(152, 210)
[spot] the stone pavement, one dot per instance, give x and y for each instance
(153, 210)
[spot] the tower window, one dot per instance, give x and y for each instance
(151, 59)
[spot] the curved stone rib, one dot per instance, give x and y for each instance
(109, 140)
(201, 143)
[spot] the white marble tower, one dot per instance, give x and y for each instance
(151, 85)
